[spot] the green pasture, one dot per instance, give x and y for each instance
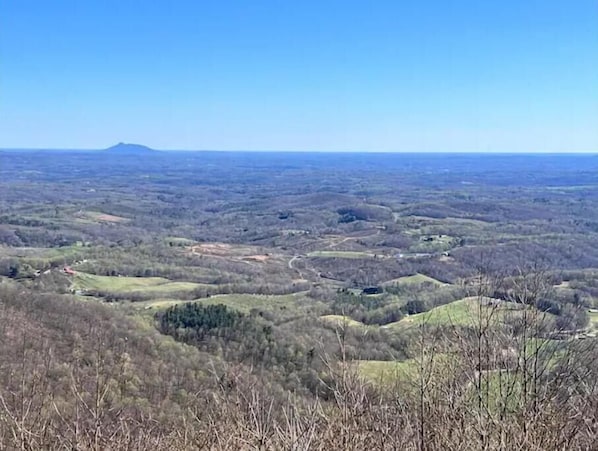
(386, 372)
(415, 279)
(241, 302)
(115, 284)
(341, 321)
(464, 312)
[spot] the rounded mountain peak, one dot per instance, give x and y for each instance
(129, 148)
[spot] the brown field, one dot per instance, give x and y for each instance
(105, 217)
(241, 253)
(219, 249)
(110, 218)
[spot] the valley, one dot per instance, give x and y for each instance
(310, 274)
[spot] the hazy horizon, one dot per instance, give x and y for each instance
(309, 151)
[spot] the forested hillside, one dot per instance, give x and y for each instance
(256, 301)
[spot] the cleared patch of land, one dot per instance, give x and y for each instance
(104, 217)
(242, 302)
(563, 284)
(387, 372)
(415, 279)
(463, 312)
(114, 284)
(257, 258)
(341, 254)
(341, 321)
(593, 317)
(159, 304)
(220, 249)
(246, 302)
(434, 243)
(244, 253)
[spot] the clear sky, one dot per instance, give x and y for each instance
(444, 75)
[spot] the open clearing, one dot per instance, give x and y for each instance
(461, 313)
(220, 249)
(563, 284)
(405, 372)
(416, 279)
(386, 372)
(434, 243)
(257, 258)
(341, 321)
(248, 254)
(50, 254)
(159, 303)
(341, 254)
(104, 217)
(593, 317)
(115, 284)
(241, 302)
(284, 306)
(246, 302)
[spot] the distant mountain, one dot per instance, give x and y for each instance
(126, 148)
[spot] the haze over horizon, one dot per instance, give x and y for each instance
(291, 151)
(310, 76)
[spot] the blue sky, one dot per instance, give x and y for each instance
(445, 75)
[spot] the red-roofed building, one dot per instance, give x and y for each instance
(68, 270)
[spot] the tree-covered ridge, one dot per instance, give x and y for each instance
(249, 339)
(202, 325)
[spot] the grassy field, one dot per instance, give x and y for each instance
(341, 321)
(242, 302)
(157, 304)
(246, 302)
(460, 313)
(32, 259)
(386, 372)
(38, 256)
(390, 372)
(104, 217)
(92, 282)
(593, 317)
(416, 279)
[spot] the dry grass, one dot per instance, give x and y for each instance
(105, 217)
